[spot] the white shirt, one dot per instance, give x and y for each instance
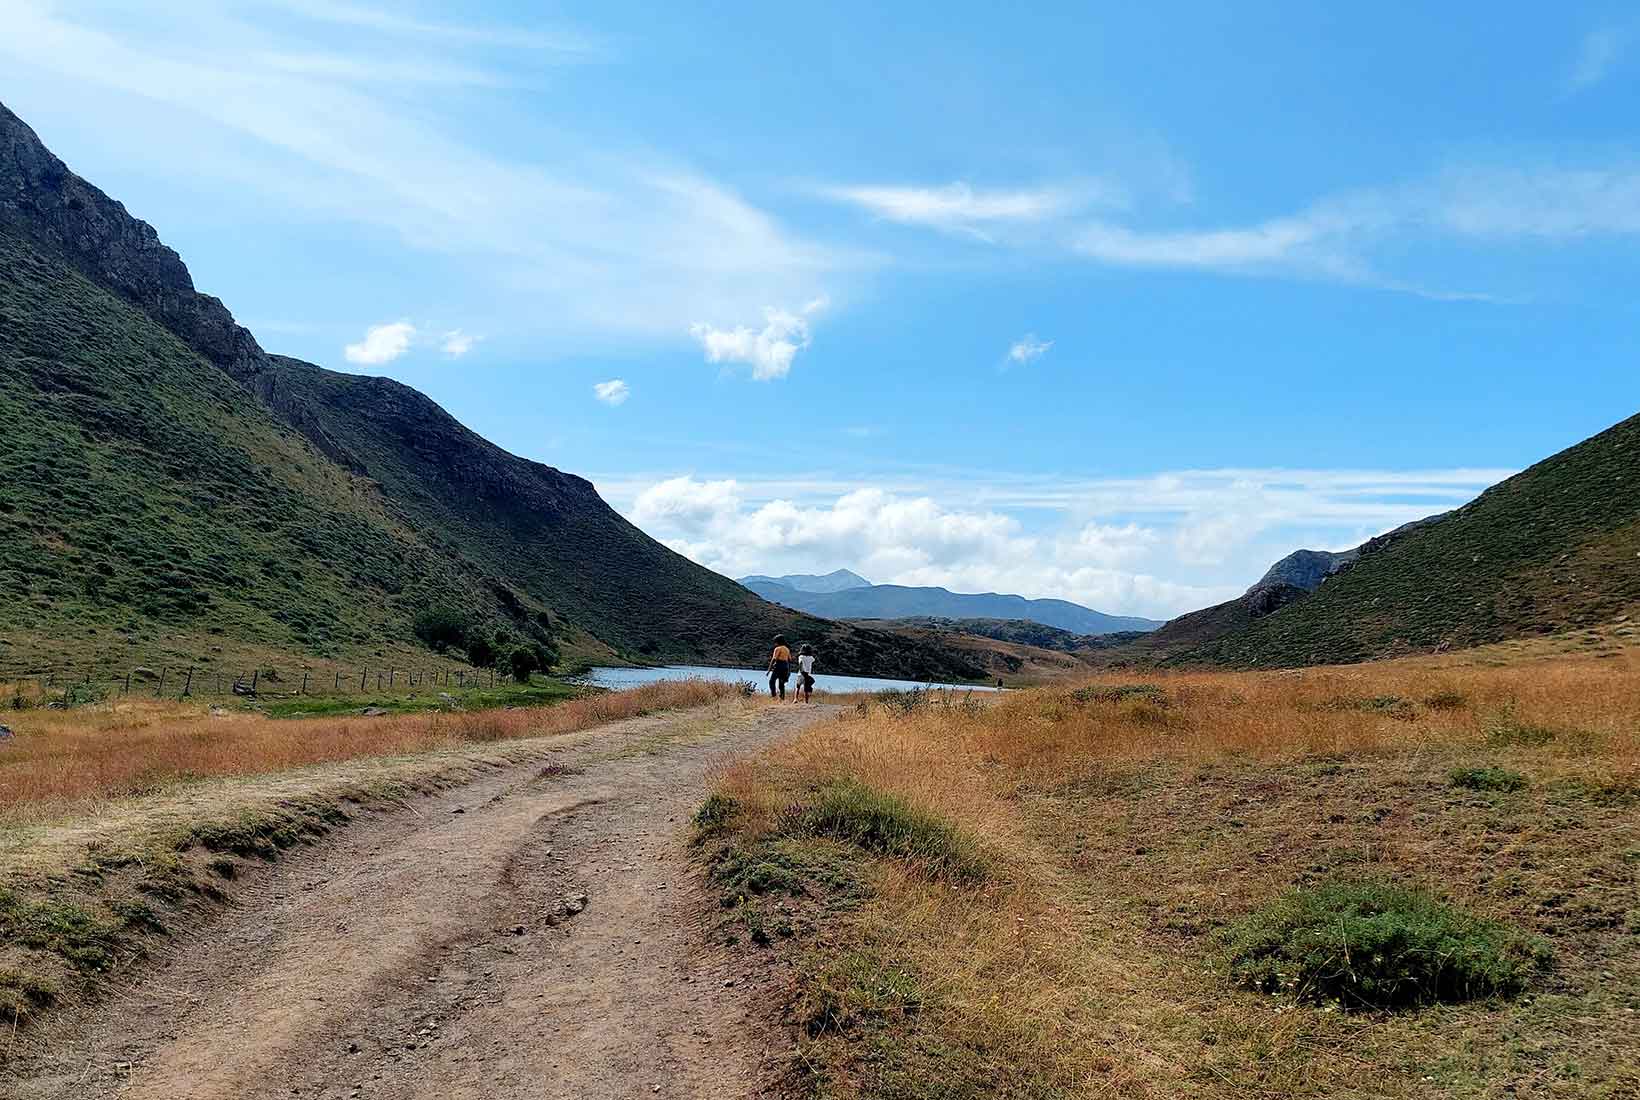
(806, 663)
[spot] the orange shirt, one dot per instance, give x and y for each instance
(781, 653)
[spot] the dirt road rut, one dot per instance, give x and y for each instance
(532, 934)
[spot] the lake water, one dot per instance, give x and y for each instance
(618, 678)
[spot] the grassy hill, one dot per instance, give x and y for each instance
(1553, 548)
(164, 482)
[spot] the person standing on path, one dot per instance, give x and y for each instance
(780, 667)
(805, 673)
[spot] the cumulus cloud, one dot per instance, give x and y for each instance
(1156, 545)
(613, 392)
(1028, 349)
(457, 343)
(381, 344)
(769, 351)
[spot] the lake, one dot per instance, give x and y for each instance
(618, 678)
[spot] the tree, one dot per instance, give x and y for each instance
(523, 663)
(481, 652)
(441, 628)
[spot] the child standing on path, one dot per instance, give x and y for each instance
(805, 673)
(780, 667)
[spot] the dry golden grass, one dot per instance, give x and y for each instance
(62, 763)
(1125, 831)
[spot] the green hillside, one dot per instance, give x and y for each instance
(139, 488)
(1555, 547)
(164, 482)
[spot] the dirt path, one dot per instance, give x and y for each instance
(532, 934)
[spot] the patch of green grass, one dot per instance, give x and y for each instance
(1505, 730)
(23, 994)
(1120, 693)
(540, 693)
(1378, 945)
(1446, 700)
(885, 824)
(75, 934)
(1489, 779)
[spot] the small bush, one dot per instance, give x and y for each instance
(714, 815)
(1489, 779)
(885, 824)
(1378, 945)
(1446, 700)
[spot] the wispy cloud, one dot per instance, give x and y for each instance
(613, 392)
(580, 239)
(568, 43)
(381, 344)
(769, 351)
(1027, 349)
(1600, 52)
(959, 207)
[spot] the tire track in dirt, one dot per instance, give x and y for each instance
(535, 933)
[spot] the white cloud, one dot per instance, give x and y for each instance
(769, 350)
(457, 343)
(1156, 545)
(1028, 349)
(1599, 53)
(382, 344)
(613, 392)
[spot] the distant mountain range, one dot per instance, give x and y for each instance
(893, 601)
(837, 580)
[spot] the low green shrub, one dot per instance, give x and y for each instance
(1489, 779)
(1378, 945)
(886, 824)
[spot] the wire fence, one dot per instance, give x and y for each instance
(190, 681)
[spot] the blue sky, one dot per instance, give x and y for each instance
(1112, 305)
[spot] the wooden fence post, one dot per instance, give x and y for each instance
(390, 673)
(304, 681)
(362, 675)
(338, 681)
(127, 690)
(256, 674)
(188, 687)
(159, 692)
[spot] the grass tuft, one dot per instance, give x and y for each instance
(885, 824)
(1378, 945)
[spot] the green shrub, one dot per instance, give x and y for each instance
(886, 824)
(1489, 779)
(1378, 945)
